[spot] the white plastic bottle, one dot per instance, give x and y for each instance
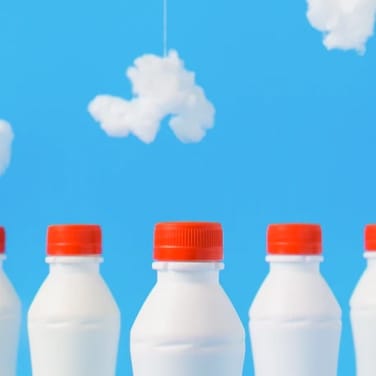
(74, 322)
(363, 310)
(187, 325)
(295, 320)
(10, 318)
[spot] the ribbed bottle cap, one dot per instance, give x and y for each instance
(74, 240)
(2, 240)
(370, 237)
(294, 239)
(188, 241)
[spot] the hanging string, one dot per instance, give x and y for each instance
(165, 27)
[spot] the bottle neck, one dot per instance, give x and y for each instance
(194, 272)
(370, 256)
(2, 258)
(82, 264)
(294, 263)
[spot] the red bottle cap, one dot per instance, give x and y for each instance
(2, 240)
(370, 237)
(188, 241)
(294, 239)
(74, 240)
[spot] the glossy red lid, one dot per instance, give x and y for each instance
(74, 240)
(294, 239)
(188, 241)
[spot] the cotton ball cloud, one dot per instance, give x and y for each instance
(161, 87)
(346, 24)
(6, 139)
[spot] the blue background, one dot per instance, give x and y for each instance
(293, 141)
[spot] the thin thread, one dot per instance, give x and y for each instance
(165, 27)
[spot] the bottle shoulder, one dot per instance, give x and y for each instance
(294, 296)
(364, 294)
(9, 300)
(73, 295)
(187, 311)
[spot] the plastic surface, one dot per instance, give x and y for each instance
(74, 240)
(370, 237)
(295, 321)
(363, 319)
(10, 319)
(188, 241)
(294, 239)
(74, 322)
(187, 325)
(2, 239)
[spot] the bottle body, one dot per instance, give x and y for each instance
(363, 319)
(187, 325)
(295, 321)
(74, 322)
(10, 320)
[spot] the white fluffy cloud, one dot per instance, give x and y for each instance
(161, 87)
(346, 24)
(6, 138)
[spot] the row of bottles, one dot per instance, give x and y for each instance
(188, 325)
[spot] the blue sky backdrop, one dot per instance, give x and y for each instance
(293, 141)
